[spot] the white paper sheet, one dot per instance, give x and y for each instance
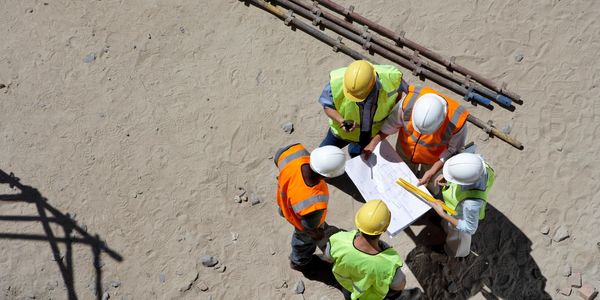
(376, 179)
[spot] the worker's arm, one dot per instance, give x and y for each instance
(399, 281)
(327, 254)
(326, 100)
(390, 126)
(437, 206)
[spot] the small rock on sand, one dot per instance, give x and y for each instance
(545, 229)
(208, 260)
(288, 127)
(519, 57)
(575, 280)
(105, 296)
(202, 286)
(561, 233)
(254, 199)
(588, 292)
(89, 58)
(299, 287)
(565, 290)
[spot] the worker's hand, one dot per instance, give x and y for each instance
(437, 206)
(316, 234)
(440, 180)
(426, 178)
(368, 150)
(348, 125)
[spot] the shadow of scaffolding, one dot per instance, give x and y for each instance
(72, 233)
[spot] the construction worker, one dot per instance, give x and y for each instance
(365, 266)
(431, 128)
(357, 100)
(302, 194)
(466, 180)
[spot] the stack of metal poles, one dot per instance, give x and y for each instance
(424, 63)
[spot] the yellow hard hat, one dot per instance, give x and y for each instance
(359, 80)
(373, 218)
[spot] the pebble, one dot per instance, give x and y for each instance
(565, 291)
(115, 283)
(181, 29)
(105, 296)
(299, 287)
(234, 236)
(244, 198)
(203, 287)
(545, 229)
(162, 278)
(237, 199)
(519, 57)
(221, 268)
(255, 199)
(281, 285)
(2, 85)
(575, 280)
(209, 261)
(566, 271)
(90, 58)
(588, 292)
(288, 127)
(561, 233)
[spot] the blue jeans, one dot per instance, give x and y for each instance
(303, 247)
(354, 149)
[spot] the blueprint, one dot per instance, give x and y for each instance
(376, 179)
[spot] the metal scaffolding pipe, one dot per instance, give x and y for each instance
(400, 40)
(397, 55)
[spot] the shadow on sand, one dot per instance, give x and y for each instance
(500, 265)
(71, 233)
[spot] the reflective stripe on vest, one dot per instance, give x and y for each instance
(390, 79)
(312, 200)
(454, 193)
(366, 276)
(411, 103)
(291, 157)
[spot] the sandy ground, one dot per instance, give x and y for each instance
(145, 146)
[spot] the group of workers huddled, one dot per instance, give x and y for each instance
(366, 103)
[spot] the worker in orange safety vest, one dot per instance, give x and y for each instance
(431, 128)
(303, 195)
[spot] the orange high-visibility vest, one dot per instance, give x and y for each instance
(294, 197)
(427, 148)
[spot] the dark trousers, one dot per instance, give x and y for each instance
(354, 149)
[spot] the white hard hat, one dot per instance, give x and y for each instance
(428, 113)
(328, 161)
(464, 168)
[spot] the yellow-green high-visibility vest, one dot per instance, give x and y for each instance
(389, 79)
(367, 276)
(454, 193)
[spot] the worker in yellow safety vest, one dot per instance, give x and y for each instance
(357, 100)
(431, 128)
(302, 195)
(466, 180)
(367, 267)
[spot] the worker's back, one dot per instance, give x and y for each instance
(368, 276)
